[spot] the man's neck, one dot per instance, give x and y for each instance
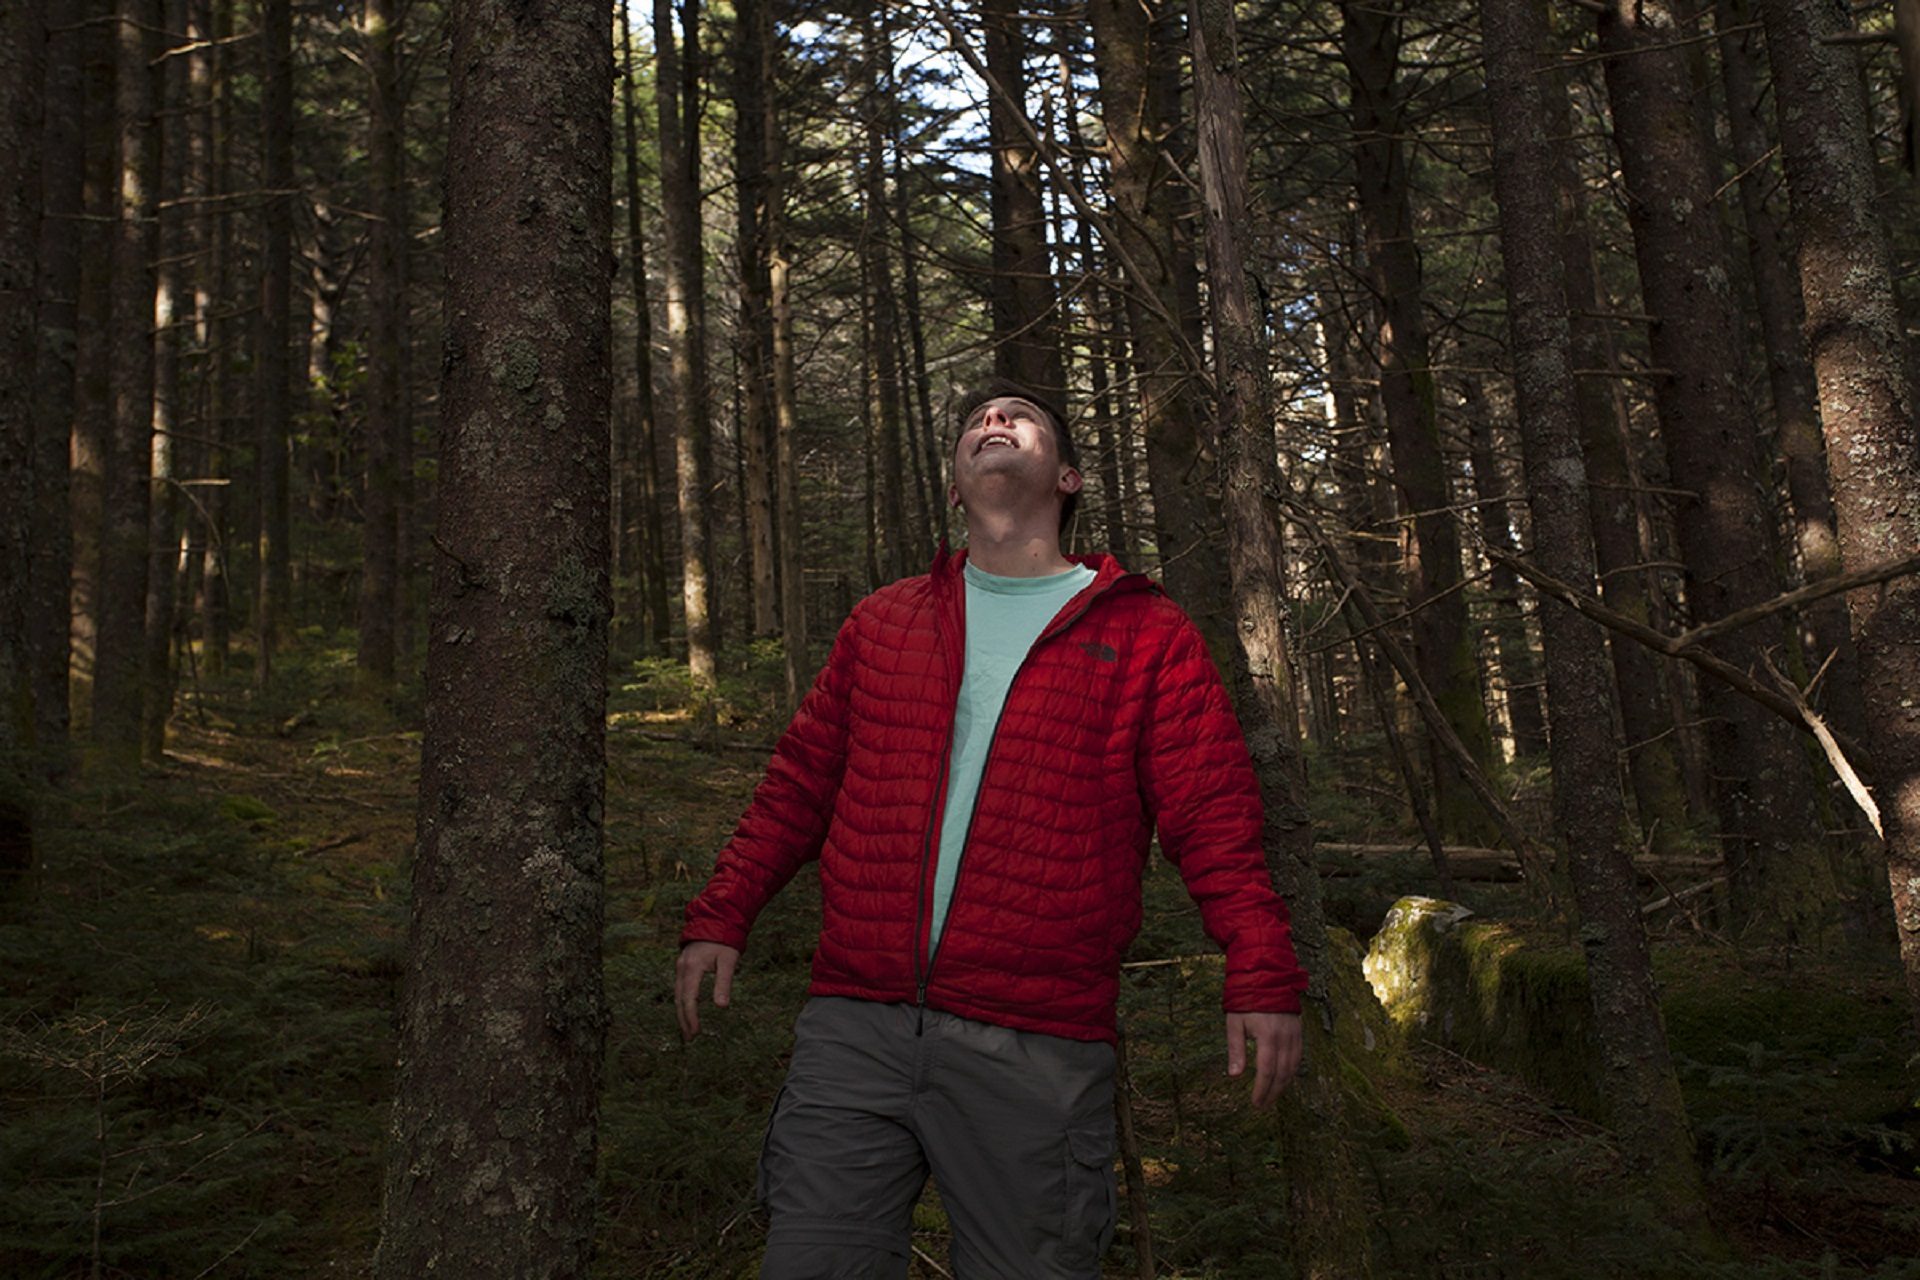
(1015, 548)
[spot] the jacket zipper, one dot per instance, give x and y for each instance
(993, 740)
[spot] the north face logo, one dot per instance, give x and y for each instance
(1100, 652)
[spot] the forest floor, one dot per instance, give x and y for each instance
(196, 1020)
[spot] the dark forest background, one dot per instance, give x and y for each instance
(439, 441)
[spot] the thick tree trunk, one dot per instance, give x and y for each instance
(1442, 643)
(687, 339)
(653, 539)
(123, 543)
(272, 384)
(387, 415)
(1026, 331)
(23, 69)
(1137, 60)
(1866, 403)
(1726, 536)
(503, 1015)
(62, 159)
(1796, 401)
(752, 25)
(1641, 1091)
(1327, 1211)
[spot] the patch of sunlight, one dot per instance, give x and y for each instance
(680, 715)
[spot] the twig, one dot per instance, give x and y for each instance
(927, 1258)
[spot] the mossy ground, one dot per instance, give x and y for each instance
(241, 914)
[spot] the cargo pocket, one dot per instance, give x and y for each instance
(1092, 1203)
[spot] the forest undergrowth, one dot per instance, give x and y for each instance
(196, 1025)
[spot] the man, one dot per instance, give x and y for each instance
(978, 769)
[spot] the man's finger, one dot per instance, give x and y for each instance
(1266, 1064)
(686, 995)
(1236, 1044)
(723, 979)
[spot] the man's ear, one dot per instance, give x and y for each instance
(953, 496)
(1071, 480)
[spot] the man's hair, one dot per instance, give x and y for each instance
(1005, 388)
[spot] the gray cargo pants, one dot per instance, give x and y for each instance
(1016, 1128)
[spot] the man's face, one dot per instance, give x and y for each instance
(1009, 444)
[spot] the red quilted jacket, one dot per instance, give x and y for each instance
(1116, 721)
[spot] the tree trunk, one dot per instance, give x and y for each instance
(215, 612)
(1867, 410)
(1137, 63)
(272, 384)
(878, 272)
(687, 340)
(123, 549)
(654, 534)
(503, 1015)
(1796, 401)
(23, 69)
(1327, 1209)
(1626, 583)
(1026, 338)
(172, 319)
(387, 413)
(1519, 669)
(752, 25)
(62, 159)
(1442, 643)
(1762, 779)
(1641, 1092)
(793, 594)
(92, 423)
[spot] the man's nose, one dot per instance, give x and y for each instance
(995, 416)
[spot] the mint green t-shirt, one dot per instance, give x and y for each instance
(1004, 617)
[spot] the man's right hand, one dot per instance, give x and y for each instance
(697, 959)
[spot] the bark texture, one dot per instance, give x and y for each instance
(1866, 404)
(1327, 1210)
(503, 1016)
(1641, 1093)
(752, 26)
(1762, 780)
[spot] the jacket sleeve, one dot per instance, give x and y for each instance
(1200, 788)
(786, 821)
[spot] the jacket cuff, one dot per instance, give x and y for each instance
(714, 931)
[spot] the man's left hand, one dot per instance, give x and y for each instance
(1277, 1040)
